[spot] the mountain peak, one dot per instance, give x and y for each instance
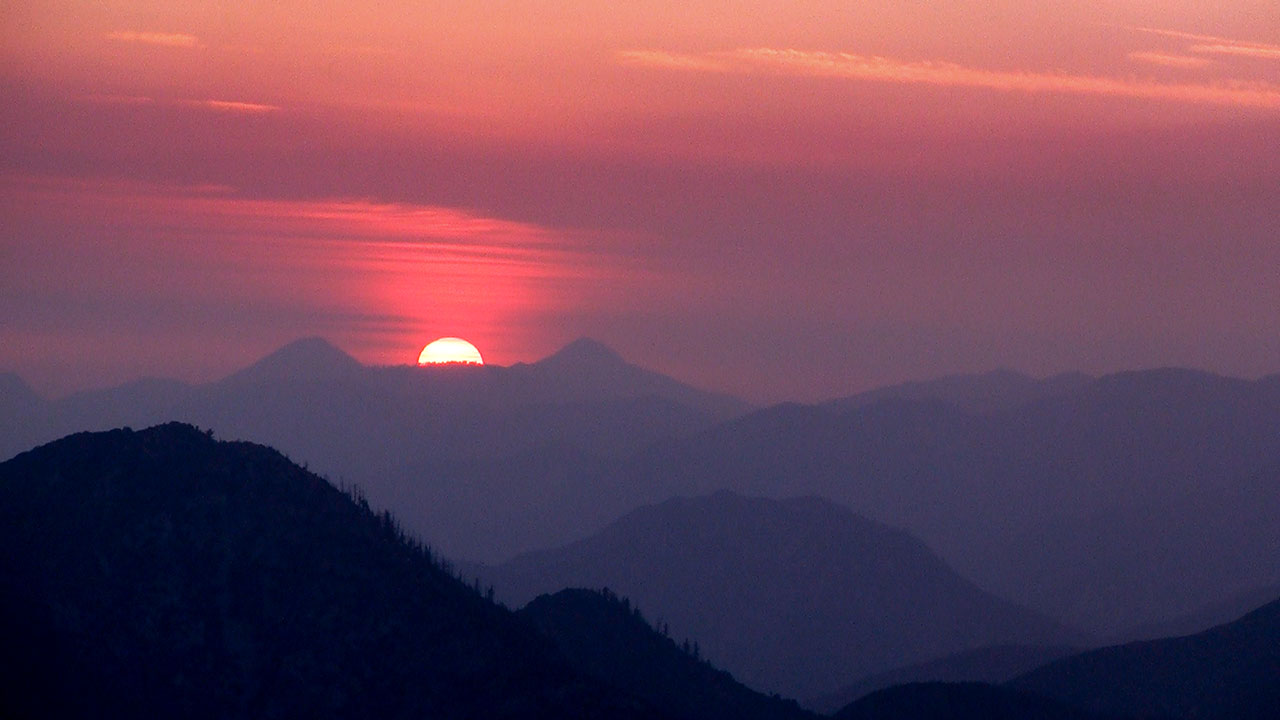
(308, 358)
(872, 597)
(585, 350)
(380, 623)
(312, 347)
(15, 390)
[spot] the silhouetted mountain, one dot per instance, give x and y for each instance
(1230, 671)
(24, 416)
(1138, 497)
(1212, 615)
(606, 638)
(587, 370)
(443, 446)
(991, 665)
(583, 354)
(1132, 499)
(306, 359)
(795, 596)
(988, 392)
(16, 394)
(960, 701)
(142, 402)
(163, 574)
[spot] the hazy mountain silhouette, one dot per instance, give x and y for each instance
(1212, 615)
(990, 665)
(118, 406)
(1110, 503)
(795, 596)
(161, 573)
(16, 395)
(960, 701)
(605, 637)
(310, 358)
(24, 415)
(988, 392)
(586, 370)
(1230, 671)
(446, 447)
(1137, 497)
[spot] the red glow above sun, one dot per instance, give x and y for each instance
(450, 350)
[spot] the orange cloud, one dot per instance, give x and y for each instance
(806, 63)
(155, 38)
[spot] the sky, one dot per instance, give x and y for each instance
(779, 200)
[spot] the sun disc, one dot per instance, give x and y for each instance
(450, 350)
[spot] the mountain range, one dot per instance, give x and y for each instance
(1111, 503)
(1131, 499)
(416, 439)
(795, 596)
(162, 572)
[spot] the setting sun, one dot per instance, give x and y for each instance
(450, 350)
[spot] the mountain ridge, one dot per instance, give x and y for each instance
(606, 637)
(189, 577)
(779, 592)
(1229, 671)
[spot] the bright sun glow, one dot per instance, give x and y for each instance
(450, 350)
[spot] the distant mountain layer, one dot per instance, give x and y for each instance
(796, 596)
(1108, 503)
(1230, 671)
(990, 665)
(163, 574)
(1212, 615)
(415, 439)
(1130, 499)
(995, 391)
(606, 638)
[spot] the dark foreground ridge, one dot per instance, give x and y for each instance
(607, 638)
(992, 665)
(1230, 672)
(163, 574)
(960, 701)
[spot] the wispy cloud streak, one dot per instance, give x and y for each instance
(1186, 62)
(1256, 51)
(1218, 45)
(222, 106)
(806, 63)
(112, 99)
(674, 60)
(233, 106)
(155, 38)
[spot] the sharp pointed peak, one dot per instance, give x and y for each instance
(308, 357)
(13, 387)
(586, 349)
(312, 344)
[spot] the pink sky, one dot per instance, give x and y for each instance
(783, 200)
